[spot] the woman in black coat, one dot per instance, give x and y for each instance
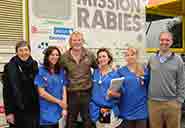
(19, 92)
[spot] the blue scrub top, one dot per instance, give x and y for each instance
(50, 113)
(99, 94)
(133, 101)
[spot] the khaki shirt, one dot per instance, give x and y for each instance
(79, 75)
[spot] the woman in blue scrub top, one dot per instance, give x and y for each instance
(51, 82)
(133, 100)
(100, 104)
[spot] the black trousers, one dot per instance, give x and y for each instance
(49, 126)
(136, 123)
(24, 120)
(78, 101)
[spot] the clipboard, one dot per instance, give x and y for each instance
(116, 84)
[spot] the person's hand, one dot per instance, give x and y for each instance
(111, 93)
(64, 113)
(62, 49)
(142, 80)
(10, 118)
(114, 67)
(104, 110)
(62, 104)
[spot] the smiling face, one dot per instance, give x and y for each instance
(103, 58)
(53, 57)
(166, 41)
(76, 41)
(23, 53)
(131, 56)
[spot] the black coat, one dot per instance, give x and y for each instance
(19, 92)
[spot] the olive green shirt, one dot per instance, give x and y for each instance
(79, 74)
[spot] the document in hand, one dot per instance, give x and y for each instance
(116, 84)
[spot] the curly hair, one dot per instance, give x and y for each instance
(46, 63)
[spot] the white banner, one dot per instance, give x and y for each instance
(104, 23)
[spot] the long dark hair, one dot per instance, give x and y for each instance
(47, 53)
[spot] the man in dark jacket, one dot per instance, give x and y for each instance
(19, 93)
(78, 62)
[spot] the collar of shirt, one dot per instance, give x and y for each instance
(163, 58)
(83, 54)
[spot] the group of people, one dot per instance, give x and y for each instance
(78, 82)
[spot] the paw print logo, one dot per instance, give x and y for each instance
(43, 45)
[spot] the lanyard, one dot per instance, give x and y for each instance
(102, 78)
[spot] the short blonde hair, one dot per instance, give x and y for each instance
(76, 33)
(140, 48)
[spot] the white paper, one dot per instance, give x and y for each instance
(116, 84)
(62, 123)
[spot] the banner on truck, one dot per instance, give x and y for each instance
(104, 23)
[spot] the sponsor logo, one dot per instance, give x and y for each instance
(57, 38)
(43, 45)
(53, 22)
(62, 31)
(35, 30)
